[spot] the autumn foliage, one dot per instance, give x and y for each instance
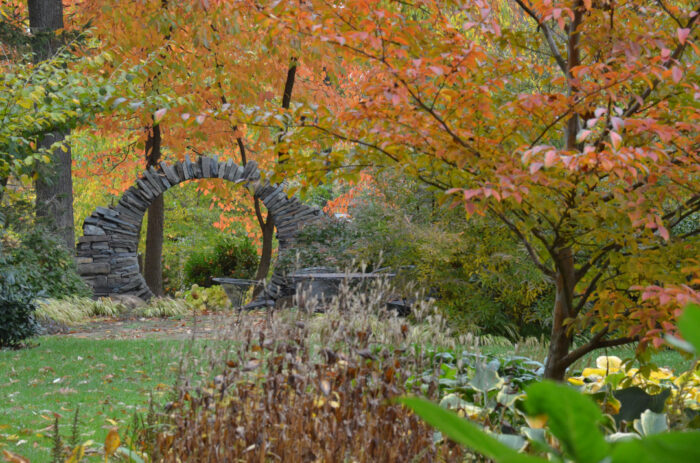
(573, 122)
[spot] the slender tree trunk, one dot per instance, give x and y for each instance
(153, 266)
(54, 185)
(560, 342)
(267, 226)
(153, 259)
(268, 232)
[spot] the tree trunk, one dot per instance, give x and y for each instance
(54, 191)
(560, 342)
(268, 232)
(153, 266)
(54, 186)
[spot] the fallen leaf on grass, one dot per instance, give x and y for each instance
(13, 457)
(112, 441)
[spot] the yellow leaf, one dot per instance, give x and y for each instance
(593, 372)
(112, 441)
(536, 422)
(77, 454)
(26, 104)
(608, 362)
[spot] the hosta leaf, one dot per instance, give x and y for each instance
(486, 378)
(465, 432)
(677, 447)
(651, 423)
(689, 325)
(573, 418)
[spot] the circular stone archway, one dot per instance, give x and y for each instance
(107, 252)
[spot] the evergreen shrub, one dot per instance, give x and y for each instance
(17, 307)
(231, 257)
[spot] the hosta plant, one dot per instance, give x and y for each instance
(566, 425)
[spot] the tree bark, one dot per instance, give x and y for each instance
(54, 185)
(153, 266)
(54, 191)
(268, 232)
(560, 342)
(153, 259)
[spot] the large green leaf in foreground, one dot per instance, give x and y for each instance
(466, 433)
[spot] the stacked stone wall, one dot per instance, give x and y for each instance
(107, 252)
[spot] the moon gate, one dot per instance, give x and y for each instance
(107, 252)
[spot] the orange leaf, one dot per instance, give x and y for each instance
(112, 441)
(13, 457)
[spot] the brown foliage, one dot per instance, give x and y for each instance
(282, 397)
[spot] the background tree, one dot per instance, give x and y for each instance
(577, 130)
(54, 186)
(220, 62)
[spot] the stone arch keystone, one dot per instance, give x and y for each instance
(107, 251)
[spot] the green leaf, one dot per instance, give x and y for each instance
(486, 378)
(464, 432)
(573, 418)
(676, 447)
(633, 402)
(689, 325)
(130, 455)
(514, 441)
(651, 423)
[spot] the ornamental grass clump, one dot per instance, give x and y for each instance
(300, 387)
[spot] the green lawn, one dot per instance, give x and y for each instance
(108, 379)
(111, 379)
(665, 358)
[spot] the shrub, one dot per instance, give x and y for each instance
(211, 299)
(17, 308)
(255, 402)
(482, 279)
(231, 258)
(46, 266)
(611, 422)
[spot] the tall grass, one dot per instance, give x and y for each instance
(74, 310)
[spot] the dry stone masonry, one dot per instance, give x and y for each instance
(107, 252)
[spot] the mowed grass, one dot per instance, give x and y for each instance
(667, 358)
(108, 379)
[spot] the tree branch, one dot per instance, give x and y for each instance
(528, 246)
(597, 342)
(547, 35)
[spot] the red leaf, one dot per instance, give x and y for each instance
(676, 74)
(616, 139)
(158, 115)
(682, 34)
(535, 166)
(550, 158)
